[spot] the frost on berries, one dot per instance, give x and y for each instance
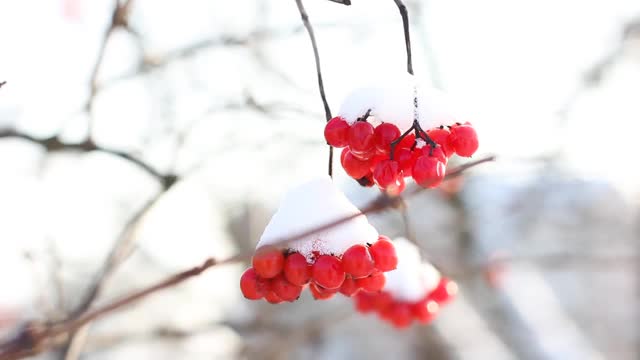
(413, 291)
(387, 138)
(346, 258)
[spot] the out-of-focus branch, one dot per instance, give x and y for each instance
(36, 338)
(407, 39)
(2, 83)
(119, 19)
(316, 55)
(54, 144)
(343, 2)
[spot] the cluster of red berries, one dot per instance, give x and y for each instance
(401, 313)
(279, 276)
(383, 156)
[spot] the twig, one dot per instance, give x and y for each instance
(343, 2)
(119, 18)
(54, 143)
(407, 39)
(34, 338)
(119, 252)
(2, 83)
(316, 55)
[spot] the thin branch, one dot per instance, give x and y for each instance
(316, 55)
(119, 252)
(2, 83)
(407, 39)
(343, 2)
(54, 144)
(36, 338)
(119, 18)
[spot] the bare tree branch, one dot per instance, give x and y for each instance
(343, 2)
(407, 39)
(119, 19)
(54, 144)
(316, 55)
(36, 338)
(2, 83)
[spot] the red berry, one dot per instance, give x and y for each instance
(272, 297)
(357, 261)
(284, 289)
(428, 172)
(376, 159)
(372, 283)
(386, 173)
(349, 287)
(382, 300)
(268, 261)
(441, 137)
(401, 315)
(444, 292)
(464, 139)
(384, 254)
(361, 137)
(355, 167)
(407, 141)
(327, 272)
(383, 135)
(405, 160)
(364, 155)
(365, 302)
(250, 286)
(296, 269)
(425, 311)
(397, 187)
(336, 132)
(436, 152)
(319, 293)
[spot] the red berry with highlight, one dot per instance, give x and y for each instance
(320, 293)
(428, 172)
(436, 152)
(372, 283)
(357, 261)
(349, 287)
(250, 286)
(284, 289)
(444, 292)
(268, 261)
(386, 173)
(328, 272)
(361, 137)
(355, 167)
(425, 311)
(272, 298)
(296, 270)
(464, 139)
(441, 137)
(384, 254)
(405, 160)
(397, 187)
(384, 134)
(336, 132)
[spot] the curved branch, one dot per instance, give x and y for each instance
(407, 39)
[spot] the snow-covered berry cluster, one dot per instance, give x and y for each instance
(413, 292)
(383, 156)
(343, 258)
(278, 275)
(397, 129)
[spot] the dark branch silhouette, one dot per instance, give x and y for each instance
(407, 38)
(316, 55)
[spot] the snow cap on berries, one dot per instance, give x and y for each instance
(413, 278)
(309, 206)
(391, 100)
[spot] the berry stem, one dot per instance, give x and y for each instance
(316, 55)
(420, 134)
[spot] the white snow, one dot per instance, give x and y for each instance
(311, 205)
(392, 100)
(413, 278)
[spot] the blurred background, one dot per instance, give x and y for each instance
(135, 143)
